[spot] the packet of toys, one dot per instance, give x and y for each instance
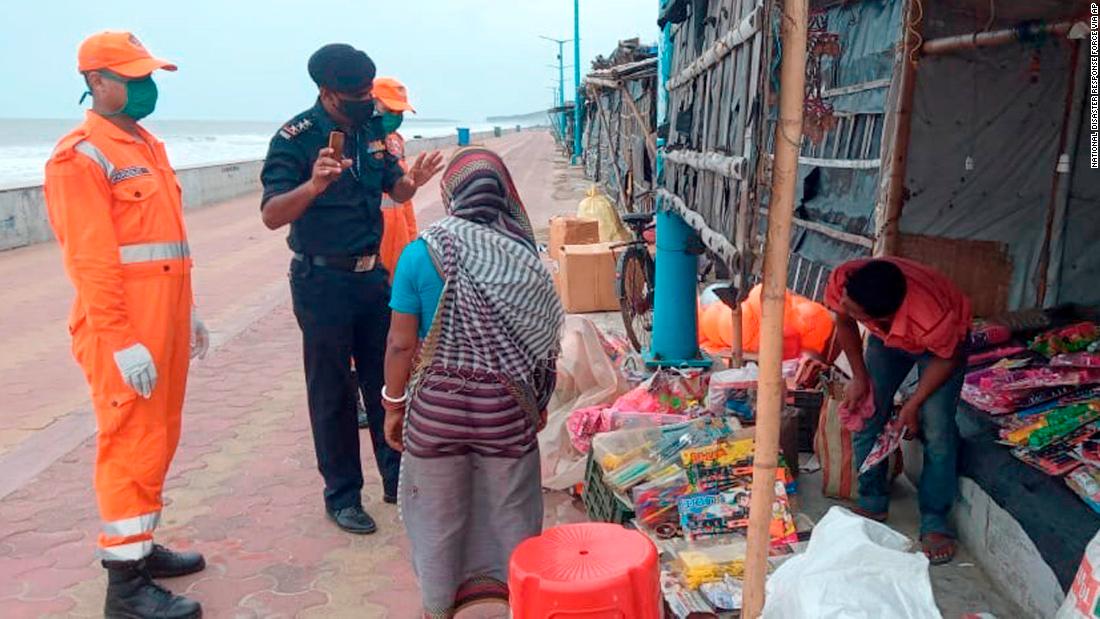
(708, 514)
(716, 467)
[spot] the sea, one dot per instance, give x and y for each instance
(26, 144)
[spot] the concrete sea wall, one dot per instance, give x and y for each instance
(23, 218)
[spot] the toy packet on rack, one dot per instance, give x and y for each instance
(1059, 458)
(1085, 481)
(1073, 338)
(1051, 426)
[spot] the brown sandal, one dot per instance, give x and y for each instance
(940, 548)
(870, 515)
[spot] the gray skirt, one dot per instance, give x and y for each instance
(464, 516)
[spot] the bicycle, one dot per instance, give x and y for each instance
(634, 277)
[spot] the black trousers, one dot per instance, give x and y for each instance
(343, 316)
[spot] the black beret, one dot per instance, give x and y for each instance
(341, 67)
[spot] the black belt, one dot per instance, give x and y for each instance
(357, 264)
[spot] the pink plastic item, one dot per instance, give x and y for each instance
(887, 443)
(1077, 360)
(585, 423)
(592, 570)
(854, 418)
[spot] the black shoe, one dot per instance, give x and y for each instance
(364, 422)
(164, 563)
(389, 498)
(132, 594)
(353, 520)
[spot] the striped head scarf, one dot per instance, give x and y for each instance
(499, 314)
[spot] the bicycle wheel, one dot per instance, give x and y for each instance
(635, 274)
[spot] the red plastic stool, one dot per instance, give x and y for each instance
(593, 570)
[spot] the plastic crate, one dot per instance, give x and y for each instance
(600, 502)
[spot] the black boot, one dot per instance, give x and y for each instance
(132, 594)
(164, 563)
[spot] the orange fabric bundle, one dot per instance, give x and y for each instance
(807, 326)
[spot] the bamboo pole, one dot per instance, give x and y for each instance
(902, 119)
(650, 137)
(788, 138)
(977, 40)
(1060, 181)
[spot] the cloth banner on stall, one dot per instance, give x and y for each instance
(587, 376)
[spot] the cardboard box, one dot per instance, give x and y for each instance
(586, 278)
(569, 230)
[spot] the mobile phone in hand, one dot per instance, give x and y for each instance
(336, 143)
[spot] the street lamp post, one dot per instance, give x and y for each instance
(578, 116)
(561, 79)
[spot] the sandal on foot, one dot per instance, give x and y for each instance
(480, 590)
(940, 548)
(870, 515)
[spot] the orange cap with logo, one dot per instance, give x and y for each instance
(118, 52)
(392, 94)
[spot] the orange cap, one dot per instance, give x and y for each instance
(392, 94)
(118, 52)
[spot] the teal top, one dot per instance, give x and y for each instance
(417, 285)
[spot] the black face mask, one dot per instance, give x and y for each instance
(357, 111)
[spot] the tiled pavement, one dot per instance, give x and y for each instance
(244, 489)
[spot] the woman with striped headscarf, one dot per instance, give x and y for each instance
(470, 367)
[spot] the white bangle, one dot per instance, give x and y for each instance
(386, 398)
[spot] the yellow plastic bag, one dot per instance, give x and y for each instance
(597, 206)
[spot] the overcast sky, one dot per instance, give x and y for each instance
(246, 59)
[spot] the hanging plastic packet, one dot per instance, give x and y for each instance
(683, 602)
(888, 442)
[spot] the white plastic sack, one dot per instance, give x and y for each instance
(586, 377)
(1083, 601)
(853, 568)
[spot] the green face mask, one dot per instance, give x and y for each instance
(391, 121)
(141, 96)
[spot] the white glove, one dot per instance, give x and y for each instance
(200, 337)
(137, 368)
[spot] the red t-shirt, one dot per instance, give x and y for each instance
(934, 317)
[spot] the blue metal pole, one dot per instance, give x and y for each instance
(675, 339)
(578, 116)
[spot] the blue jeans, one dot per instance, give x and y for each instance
(888, 368)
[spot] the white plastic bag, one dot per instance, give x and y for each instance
(853, 568)
(586, 377)
(1083, 601)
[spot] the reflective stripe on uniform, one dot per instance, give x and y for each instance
(92, 152)
(134, 551)
(150, 252)
(137, 525)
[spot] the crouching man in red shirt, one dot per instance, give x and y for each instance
(915, 316)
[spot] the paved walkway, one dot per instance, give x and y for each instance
(244, 488)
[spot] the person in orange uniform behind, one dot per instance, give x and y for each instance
(115, 206)
(399, 220)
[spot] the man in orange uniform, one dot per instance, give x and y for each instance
(399, 220)
(114, 205)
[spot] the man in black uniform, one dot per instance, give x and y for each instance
(332, 202)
